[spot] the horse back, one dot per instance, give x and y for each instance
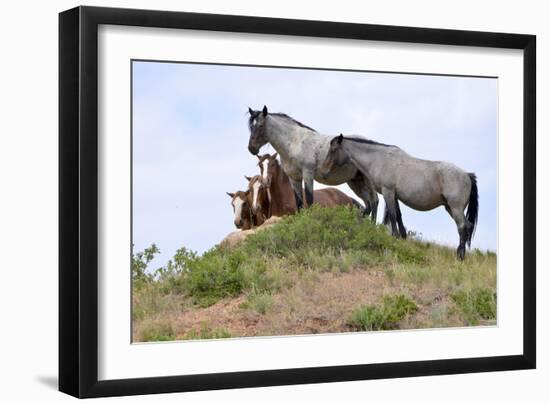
(330, 197)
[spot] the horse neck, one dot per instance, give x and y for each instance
(282, 194)
(265, 202)
(370, 153)
(247, 221)
(282, 134)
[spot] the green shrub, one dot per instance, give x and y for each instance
(215, 275)
(476, 304)
(319, 231)
(397, 307)
(171, 277)
(367, 318)
(257, 278)
(140, 262)
(385, 316)
(260, 302)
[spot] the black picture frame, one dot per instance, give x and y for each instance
(78, 201)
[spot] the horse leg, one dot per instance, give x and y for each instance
(386, 219)
(463, 226)
(308, 185)
(389, 198)
(401, 226)
(297, 188)
(364, 190)
(269, 212)
(402, 229)
(373, 201)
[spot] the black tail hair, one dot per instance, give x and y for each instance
(473, 208)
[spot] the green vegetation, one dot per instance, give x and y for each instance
(476, 304)
(300, 251)
(316, 236)
(259, 302)
(384, 316)
(315, 239)
(157, 330)
(206, 332)
(140, 261)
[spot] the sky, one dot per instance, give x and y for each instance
(190, 139)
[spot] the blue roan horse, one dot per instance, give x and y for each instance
(419, 184)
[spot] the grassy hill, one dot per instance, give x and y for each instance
(322, 270)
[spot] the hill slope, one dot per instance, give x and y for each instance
(322, 270)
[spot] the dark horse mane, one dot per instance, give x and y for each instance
(367, 141)
(282, 115)
(255, 114)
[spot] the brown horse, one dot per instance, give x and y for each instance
(281, 195)
(245, 217)
(240, 201)
(258, 200)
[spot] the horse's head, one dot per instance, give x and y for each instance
(257, 194)
(256, 124)
(336, 156)
(241, 209)
(268, 168)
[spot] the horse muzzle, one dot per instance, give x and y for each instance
(253, 150)
(325, 170)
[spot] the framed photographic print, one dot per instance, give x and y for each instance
(251, 201)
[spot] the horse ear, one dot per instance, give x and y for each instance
(340, 138)
(247, 177)
(264, 111)
(259, 157)
(231, 195)
(250, 111)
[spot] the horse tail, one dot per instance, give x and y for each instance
(473, 207)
